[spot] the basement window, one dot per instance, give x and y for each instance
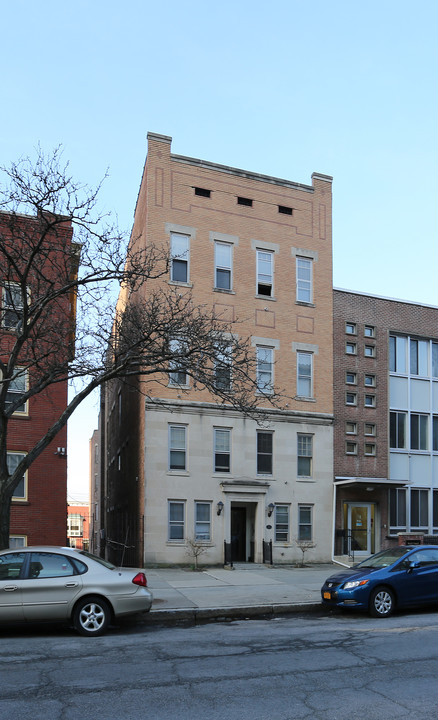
(244, 201)
(285, 210)
(202, 192)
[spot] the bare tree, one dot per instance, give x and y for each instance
(304, 546)
(44, 275)
(194, 549)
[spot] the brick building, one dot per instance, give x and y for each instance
(78, 525)
(39, 503)
(257, 248)
(386, 421)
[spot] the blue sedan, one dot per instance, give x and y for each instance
(402, 576)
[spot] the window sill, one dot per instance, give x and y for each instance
(224, 291)
(179, 283)
(304, 304)
(304, 398)
(305, 480)
(269, 298)
(178, 473)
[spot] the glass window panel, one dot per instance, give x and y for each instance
(435, 359)
(304, 280)
(414, 357)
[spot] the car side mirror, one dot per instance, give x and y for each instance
(412, 566)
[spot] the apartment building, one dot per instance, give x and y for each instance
(182, 468)
(386, 421)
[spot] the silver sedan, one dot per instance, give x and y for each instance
(57, 583)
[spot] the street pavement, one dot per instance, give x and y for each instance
(248, 590)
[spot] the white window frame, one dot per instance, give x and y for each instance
(179, 255)
(202, 530)
(351, 348)
(259, 453)
(220, 432)
(175, 448)
(305, 523)
(18, 456)
(370, 351)
(369, 400)
(282, 523)
(302, 378)
(21, 377)
(176, 523)
(370, 449)
(372, 426)
(353, 381)
(350, 328)
(353, 447)
(75, 520)
(12, 305)
(353, 431)
(223, 267)
(265, 368)
(394, 428)
(265, 279)
(304, 452)
(17, 541)
(354, 396)
(177, 373)
(304, 280)
(223, 369)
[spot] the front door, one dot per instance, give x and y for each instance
(238, 534)
(360, 524)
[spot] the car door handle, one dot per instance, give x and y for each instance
(10, 588)
(71, 584)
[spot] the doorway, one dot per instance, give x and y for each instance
(360, 523)
(242, 532)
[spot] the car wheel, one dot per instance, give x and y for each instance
(91, 616)
(382, 602)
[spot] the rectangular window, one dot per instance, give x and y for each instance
(222, 450)
(397, 429)
(370, 449)
(351, 348)
(370, 380)
(177, 447)
(397, 509)
(223, 257)
(419, 430)
(176, 520)
(264, 452)
(75, 525)
(350, 328)
(244, 201)
(285, 210)
(435, 433)
(304, 455)
(435, 512)
(265, 273)
(265, 369)
(282, 523)
(202, 192)
(370, 401)
(370, 351)
(369, 331)
(13, 459)
(12, 306)
(222, 369)
(17, 387)
(370, 429)
(351, 448)
(203, 521)
(418, 352)
(435, 360)
(17, 541)
(351, 428)
(398, 354)
(177, 371)
(305, 523)
(351, 378)
(179, 256)
(304, 374)
(350, 398)
(419, 509)
(304, 280)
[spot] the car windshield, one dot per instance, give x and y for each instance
(385, 558)
(100, 560)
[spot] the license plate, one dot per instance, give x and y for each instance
(327, 596)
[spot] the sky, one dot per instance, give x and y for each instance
(284, 88)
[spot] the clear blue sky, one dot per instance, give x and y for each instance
(283, 88)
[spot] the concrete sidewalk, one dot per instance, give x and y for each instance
(248, 590)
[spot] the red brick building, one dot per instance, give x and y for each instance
(39, 503)
(78, 526)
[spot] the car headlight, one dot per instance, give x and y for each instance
(354, 584)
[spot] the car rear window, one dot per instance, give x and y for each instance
(97, 559)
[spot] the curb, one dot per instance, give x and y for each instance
(247, 612)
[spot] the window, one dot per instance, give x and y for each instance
(397, 509)
(350, 398)
(351, 378)
(11, 565)
(351, 348)
(435, 512)
(202, 192)
(370, 380)
(177, 371)
(304, 374)
(17, 541)
(397, 430)
(351, 428)
(370, 449)
(351, 448)
(244, 201)
(177, 447)
(176, 520)
(435, 360)
(350, 328)
(285, 210)
(265, 275)
(304, 523)
(222, 450)
(264, 453)
(304, 455)
(222, 369)
(265, 357)
(179, 254)
(419, 509)
(223, 255)
(435, 433)
(12, 306)
(304, 280)
(203, 521)
(282, 523)
(13, 459)
(17, 387)
(419, 430)
(418, 357)
(370, 401)
(369, 331)
(370, 351)
(370, 429)
(397, 354)
(74, 524)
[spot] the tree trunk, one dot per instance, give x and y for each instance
(5, 513)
